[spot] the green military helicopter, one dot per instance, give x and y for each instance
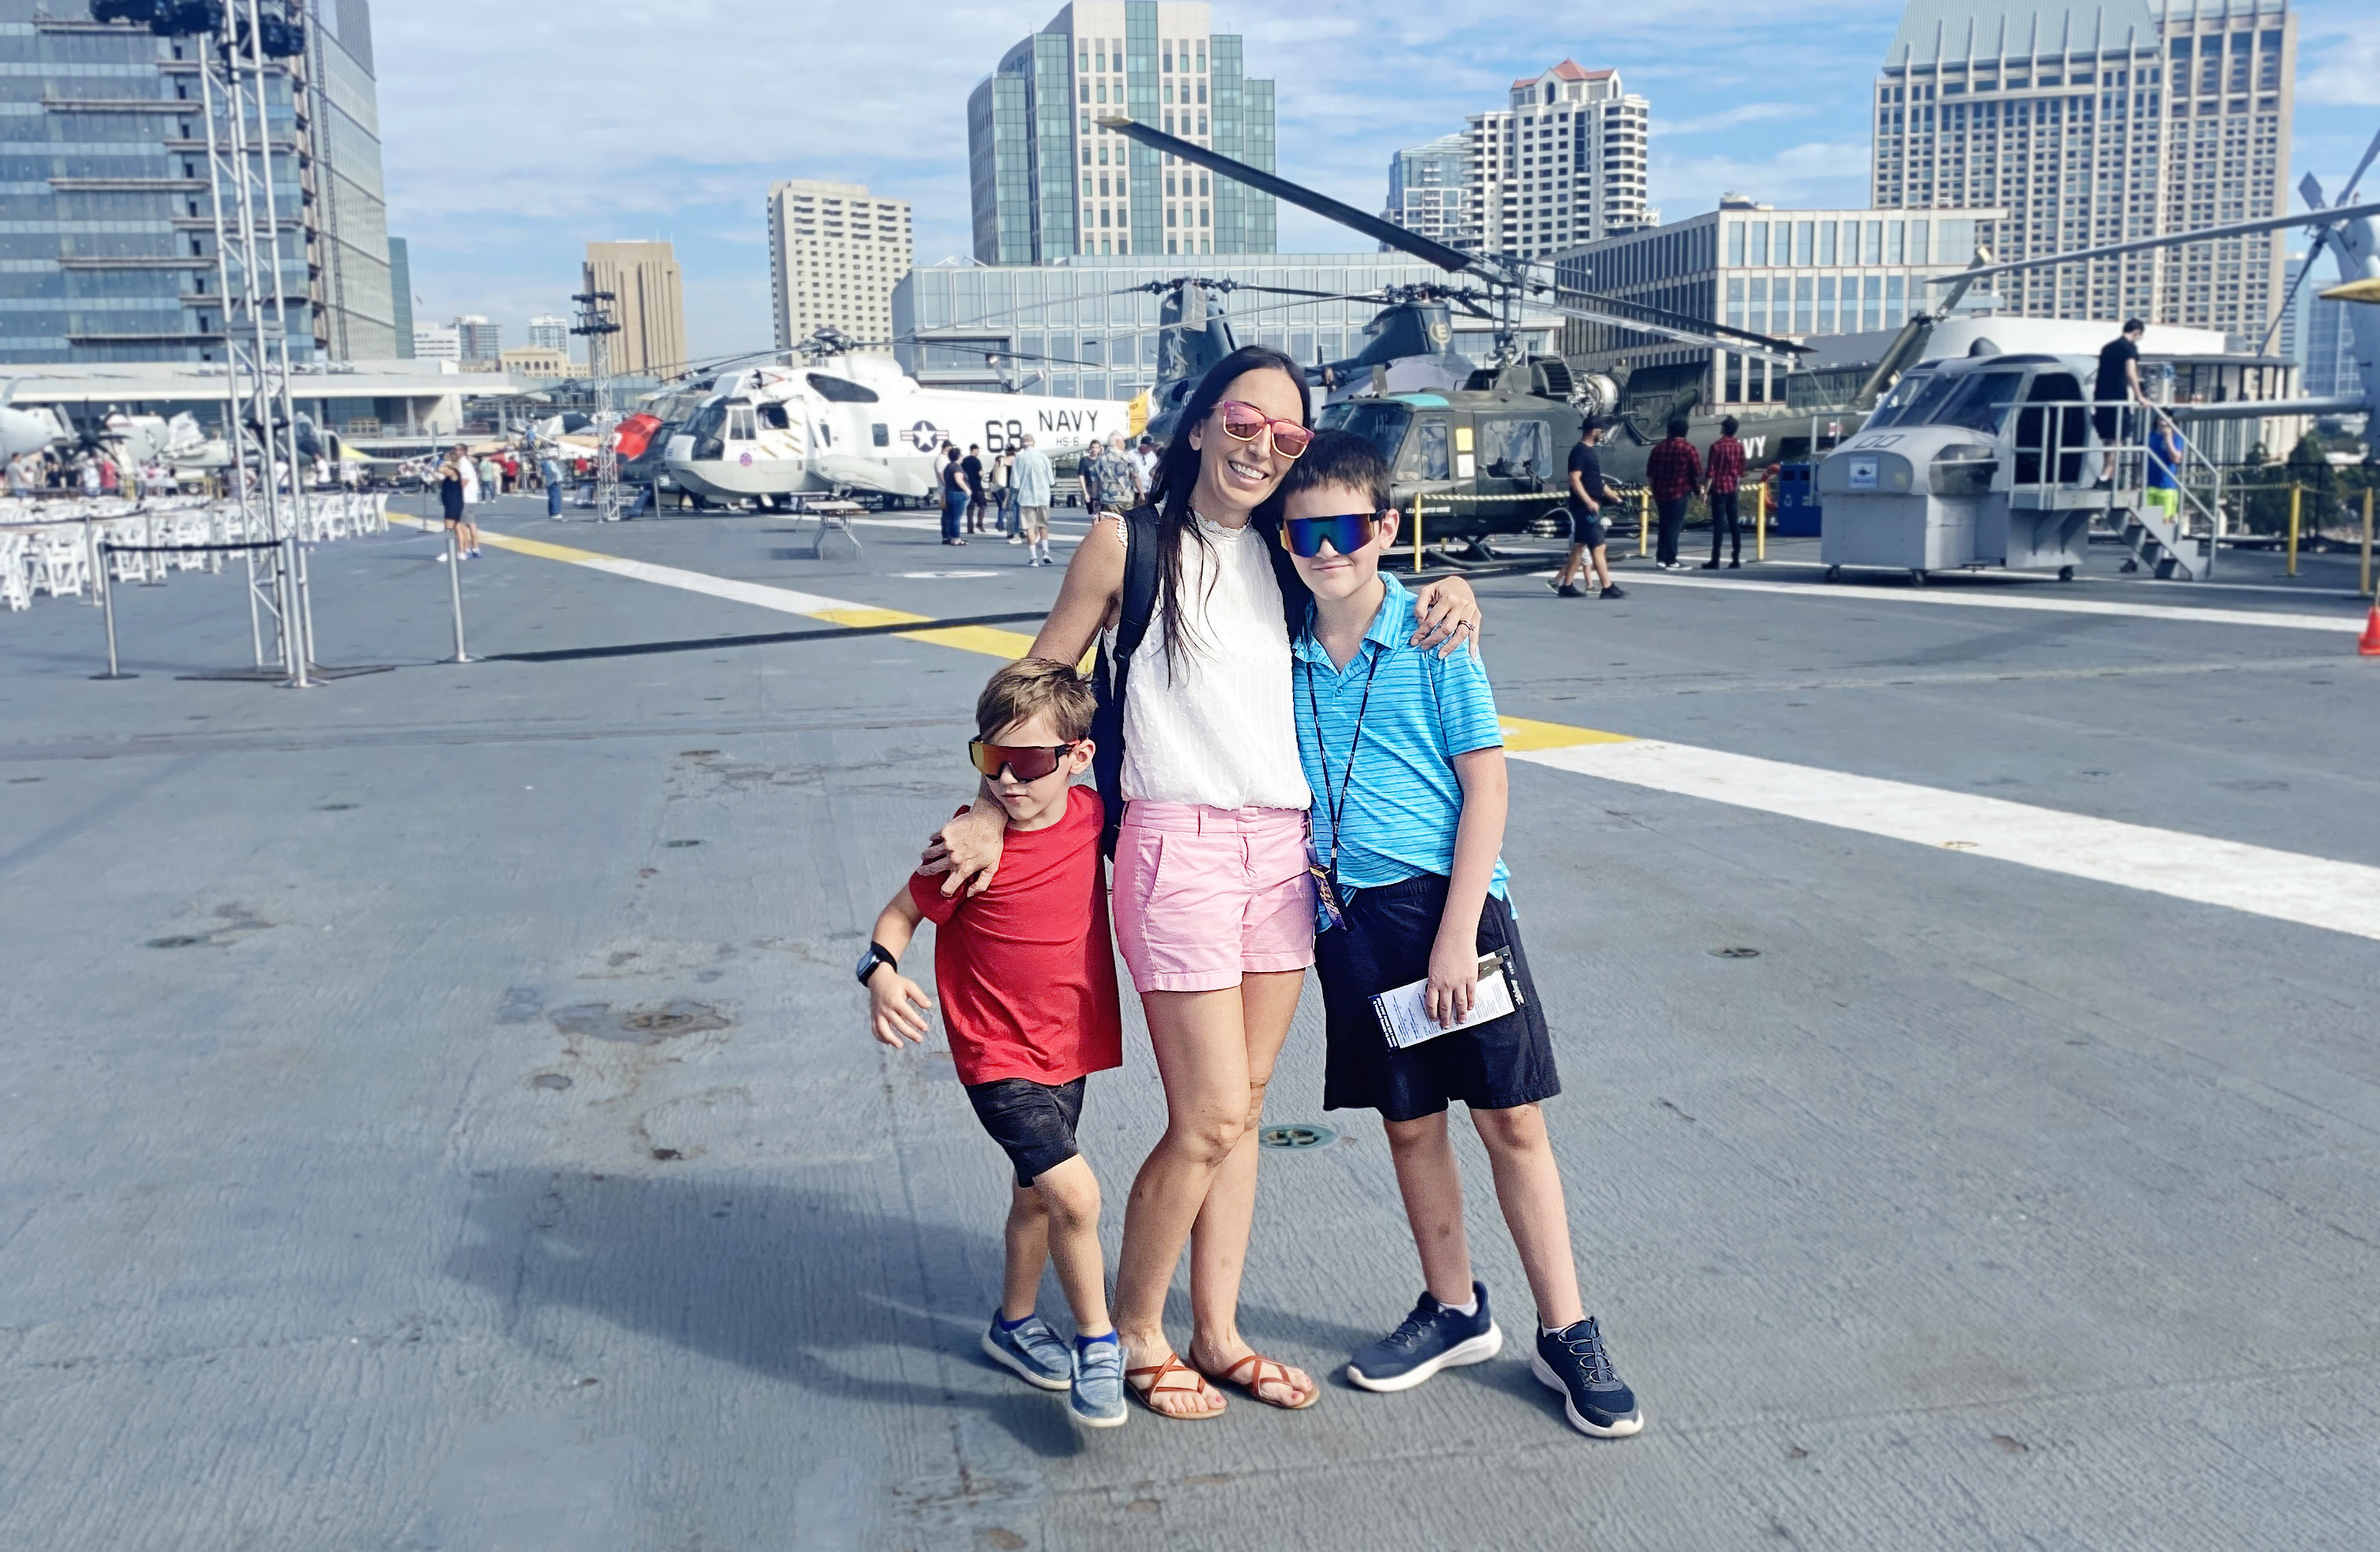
(1489, 458)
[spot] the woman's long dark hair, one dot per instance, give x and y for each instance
(1177, 477)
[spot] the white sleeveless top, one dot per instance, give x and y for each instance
(1220, 728)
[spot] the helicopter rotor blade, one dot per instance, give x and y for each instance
(1595, 307)
(2179, 239)
(1452, 261)
(2289, 296)
(2346, 190)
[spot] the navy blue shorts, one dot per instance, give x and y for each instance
(1033, 1122)
(1385, 944)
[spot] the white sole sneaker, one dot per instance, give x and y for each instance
(1479, 1349)
(1087, 1421)
(1008, 1360)
(1552, 1381)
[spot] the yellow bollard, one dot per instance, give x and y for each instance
(1416, 534)
(1760, 534)
(1644, 524)
(2295, 492)
(2365, 587)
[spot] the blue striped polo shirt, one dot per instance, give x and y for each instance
(1402, 800)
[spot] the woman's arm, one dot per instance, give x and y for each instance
(1446, 615)
(1088, 598)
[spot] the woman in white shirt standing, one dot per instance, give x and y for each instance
(1214, 908)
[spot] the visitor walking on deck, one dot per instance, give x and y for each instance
(1726, 466)
(1674, 472)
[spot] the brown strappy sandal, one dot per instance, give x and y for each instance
(1253, 1385)
(1156, 1384)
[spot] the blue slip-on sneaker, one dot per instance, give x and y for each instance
(1573, 1361)
(1037, 1354)
(1432, 1338)
(1097, 1399)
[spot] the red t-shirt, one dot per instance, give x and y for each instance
(1025, 969)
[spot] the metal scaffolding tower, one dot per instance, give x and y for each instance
(598, 327)
(240, 46)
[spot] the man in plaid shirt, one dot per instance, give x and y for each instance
(1726, 481)
(1675, 472)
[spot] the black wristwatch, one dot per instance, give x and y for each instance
(877, 954)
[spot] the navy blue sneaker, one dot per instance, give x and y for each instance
(1097, 1399)
(1573, 1361)
(1037, 1354)
(1432, 1338)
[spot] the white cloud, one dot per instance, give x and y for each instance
(1728, 118)
(1818, 174)
(2347, 69)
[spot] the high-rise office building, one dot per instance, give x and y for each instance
(650, 308)
(548, 332)
(2128, 118)
(1048, 183)
(835, 252)
(1428, 185)
(437, 342)
(2330, 367)
(107, 191)
(347, 233)
(479, 339)
(1561, 163)
(400, 294)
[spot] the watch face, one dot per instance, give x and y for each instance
(867, 962)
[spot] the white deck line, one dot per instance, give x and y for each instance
(2286, 886)
(2343, 624)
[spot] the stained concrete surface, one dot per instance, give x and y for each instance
(496, 1157)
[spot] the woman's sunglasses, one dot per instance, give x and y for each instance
(1027, 762)
(1245, 422)
(1347, 532)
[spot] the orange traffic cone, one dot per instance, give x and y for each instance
(2370, 645)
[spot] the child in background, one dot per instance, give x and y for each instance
(1029, 1002)
(1405, 757)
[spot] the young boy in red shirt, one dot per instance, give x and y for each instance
(1029, 1002)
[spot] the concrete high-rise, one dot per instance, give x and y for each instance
(479, 339)
(2127, 118)
(835, 253)
(108, 195)
(649, 306)
(400, 294)
(1048, 183)
(1428, 185)
(548, 332)
(1561, 163)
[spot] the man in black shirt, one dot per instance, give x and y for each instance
(2119, 383)
(971, 476)
(1588, 492)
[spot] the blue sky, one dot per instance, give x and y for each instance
(514, 134)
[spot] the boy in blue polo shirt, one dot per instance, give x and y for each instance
(1405, 757)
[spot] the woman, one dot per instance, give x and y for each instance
(454, 474)
(1217, 937)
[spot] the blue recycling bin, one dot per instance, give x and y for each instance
(1797, 502)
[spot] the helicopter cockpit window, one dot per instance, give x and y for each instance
(1981, 403)
(1382, 425)
(772, 416)
(1429, 451)
(1514, 448)
(840, 389)
(739, 422)
(1913, 400)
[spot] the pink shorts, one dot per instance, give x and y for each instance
(1204, 896)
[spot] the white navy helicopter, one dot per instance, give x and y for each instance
(2004, 460)
(844, 422)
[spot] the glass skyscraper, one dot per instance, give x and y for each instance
(1048, 183)
(108, 234)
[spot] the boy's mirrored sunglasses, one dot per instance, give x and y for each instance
(1348, 532)
(1027, 762)
(1245, 422)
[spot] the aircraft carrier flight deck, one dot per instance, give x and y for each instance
(1964, 996)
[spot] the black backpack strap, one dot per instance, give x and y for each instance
(1112, 672)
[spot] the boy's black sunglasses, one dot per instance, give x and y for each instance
(1029, 762)
(1348, 532)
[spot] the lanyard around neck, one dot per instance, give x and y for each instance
(1337, 805)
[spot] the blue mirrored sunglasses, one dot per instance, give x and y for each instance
(1348, 532)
